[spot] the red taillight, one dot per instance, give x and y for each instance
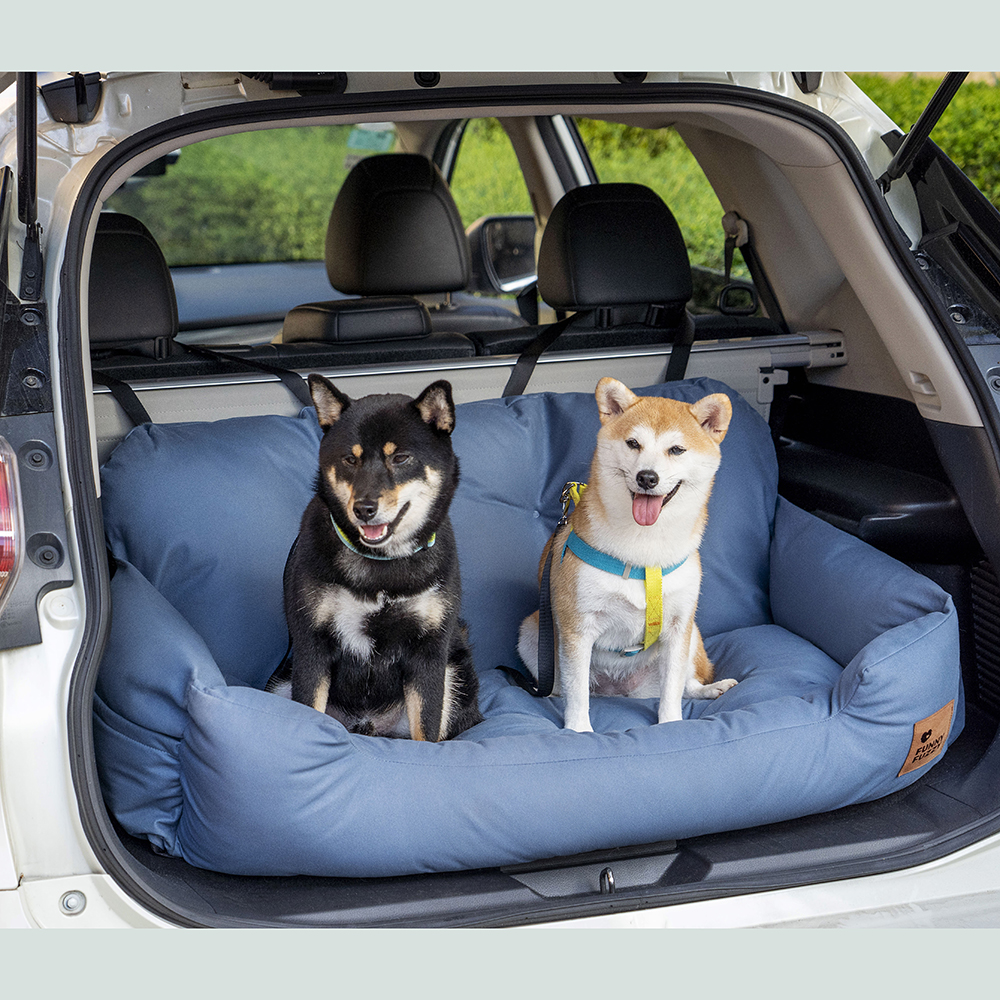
(11, 523)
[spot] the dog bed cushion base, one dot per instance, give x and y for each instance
(839, 652)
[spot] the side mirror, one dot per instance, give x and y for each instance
(503, 253)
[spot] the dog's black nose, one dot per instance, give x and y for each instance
(646, 479)
(365, 510)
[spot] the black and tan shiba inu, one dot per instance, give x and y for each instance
(372, 591)
(625, 570)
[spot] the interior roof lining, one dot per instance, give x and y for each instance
(729, 120)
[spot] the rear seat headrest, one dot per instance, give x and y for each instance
(395, 230)
(612, 245)
(131, 292)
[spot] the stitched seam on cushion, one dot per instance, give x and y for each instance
(520, 508)
(211, 693)
(900, 649)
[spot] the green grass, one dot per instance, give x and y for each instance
(247, 197)
(968, 131)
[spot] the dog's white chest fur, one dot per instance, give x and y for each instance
(340, 609)
(617, 606)
(613, 609)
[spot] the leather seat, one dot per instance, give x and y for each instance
(394, 234)
(614, 254)
(133, 321)
(132, 304)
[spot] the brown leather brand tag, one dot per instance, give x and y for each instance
(929, 737)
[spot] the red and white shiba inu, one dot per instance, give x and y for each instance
(644, 511)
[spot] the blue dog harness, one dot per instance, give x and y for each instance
(601, 560)
(652, 575)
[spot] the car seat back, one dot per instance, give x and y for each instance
(394, 233)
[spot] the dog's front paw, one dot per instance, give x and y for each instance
(695, 690)
(581, 725)
(719, 687)
(668, 715)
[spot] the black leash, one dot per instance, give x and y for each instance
(542, 687)
(283, 672)
(545, 667)
(546, 635)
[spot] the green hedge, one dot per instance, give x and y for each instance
(247, 197)
(486, 179)
(969, 130)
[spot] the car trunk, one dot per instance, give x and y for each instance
(858, 454)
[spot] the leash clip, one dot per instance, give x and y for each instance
(571, 493)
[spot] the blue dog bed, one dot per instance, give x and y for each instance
(845, 659)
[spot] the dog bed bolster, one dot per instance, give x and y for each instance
(842, 654)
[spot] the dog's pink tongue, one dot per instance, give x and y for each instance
(646, 509)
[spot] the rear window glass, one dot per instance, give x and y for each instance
(266, 196)
(486, 178)
(659, 159)
(254, 197)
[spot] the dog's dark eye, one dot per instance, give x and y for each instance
(400, 459)
(677, 450)
(633, 444)
(351, 460)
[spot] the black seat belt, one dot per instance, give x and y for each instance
(525, 364)
(291, 380)
(737, 231)
(680, 351)
(125, 396)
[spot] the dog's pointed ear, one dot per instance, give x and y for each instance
(613, 397)
(714, 413)
(329, 401)
(436, 407)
